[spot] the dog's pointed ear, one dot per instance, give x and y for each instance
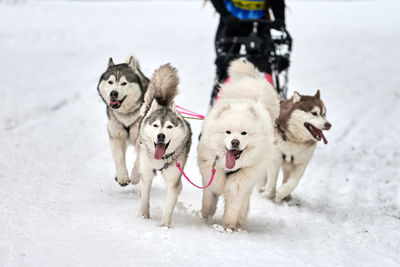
(318, 94)
(135, 66)
(110, 62)
(174, 109)
(296, 97)
(133, 63)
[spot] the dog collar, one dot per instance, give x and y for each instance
(285, 138)
(281, 132)
(231, 172)
(168, 155)
(166, 163)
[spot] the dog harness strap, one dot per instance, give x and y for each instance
(166, 165)
(127, 128)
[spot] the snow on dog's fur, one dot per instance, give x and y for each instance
(299, 128)
(238, 132)
(164, 137)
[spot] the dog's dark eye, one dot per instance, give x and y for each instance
(314, 113)
(110, 82)
(228, 132)
(155, 125)
(124, 83)
(243, 133)
(169, 126)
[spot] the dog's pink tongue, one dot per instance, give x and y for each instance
(116, 102)
(159, 151)
(323, 137)
(230, 159)
(321, 134)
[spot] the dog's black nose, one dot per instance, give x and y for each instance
(328, 126)
(235, 143)
(114, 94)
(161, 137)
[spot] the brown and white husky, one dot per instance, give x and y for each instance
(299, 128)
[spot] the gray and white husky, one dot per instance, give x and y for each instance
(122, 88)
(165, 138)
(299, 127)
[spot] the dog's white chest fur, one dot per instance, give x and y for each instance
(296, 153)
(148, 160)
(127, 119)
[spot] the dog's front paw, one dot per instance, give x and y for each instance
(278, 200)
(287, 198)
(279, 196)
(122, 180)
(145, 214)
(270, 194)
(230, 227)
(164, 224)
(205, 214)
(135, 179)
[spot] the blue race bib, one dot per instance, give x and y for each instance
(246, 9)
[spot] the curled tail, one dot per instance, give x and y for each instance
(240, 69)
(163, 87)
(248, 82)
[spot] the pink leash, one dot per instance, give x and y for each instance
(178, 165)
(189, 112)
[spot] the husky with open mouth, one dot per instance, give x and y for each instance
(165, 138)
(122, 88)
(238, 135)
(299, 128)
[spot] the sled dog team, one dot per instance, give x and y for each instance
(249, 135)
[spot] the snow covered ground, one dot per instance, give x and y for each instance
(59, 203)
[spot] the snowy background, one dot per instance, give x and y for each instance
(60, 205)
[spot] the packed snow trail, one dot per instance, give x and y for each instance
(60, 205)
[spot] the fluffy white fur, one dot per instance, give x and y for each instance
(247, 105)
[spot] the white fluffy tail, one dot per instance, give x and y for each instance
(241, 69)
(248, 82)
(163, 87)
